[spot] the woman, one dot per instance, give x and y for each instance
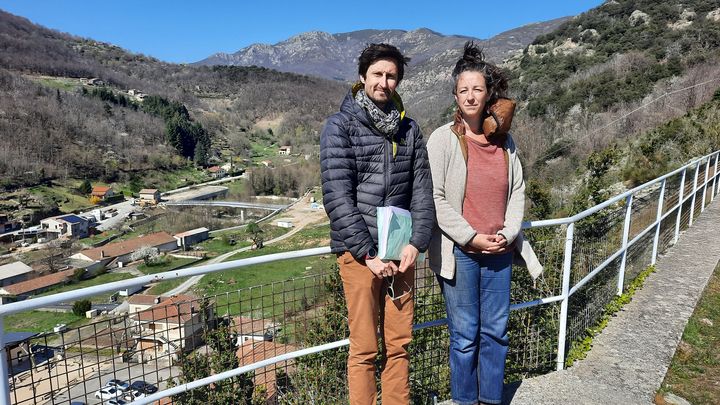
(479, 196)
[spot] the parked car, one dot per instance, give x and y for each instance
(119, 384)
(116, 402)
(107, 393)
(143, 386)
(133, 395)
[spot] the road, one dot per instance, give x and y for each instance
(85, 391)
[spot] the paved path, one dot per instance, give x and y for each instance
(630, 357)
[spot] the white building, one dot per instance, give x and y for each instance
(66, 226)
(14, 273)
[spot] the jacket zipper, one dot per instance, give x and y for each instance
(386, 167)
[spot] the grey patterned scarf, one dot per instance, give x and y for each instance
(386, 123)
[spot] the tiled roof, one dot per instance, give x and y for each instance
(176, 308)
(254, 351)
(35, 284)
(100, 190)
(244, 325)
(116, 249)
(144, 299)
(148, 191)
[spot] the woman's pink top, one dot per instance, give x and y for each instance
(486, 190)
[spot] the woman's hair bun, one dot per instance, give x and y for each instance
(472, 53)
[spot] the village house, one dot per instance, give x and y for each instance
(102, 192)
(217, 172)
(8, 225)
(248, 328)
(25, 289)
(94, 81)
(136, 94)
(14, 272)
(284, 150)
(118, 253)
(142, 302)
(172, 325)
(254, 351)
(66, 226)
(191, 237)
(149, 196)
(17, 346)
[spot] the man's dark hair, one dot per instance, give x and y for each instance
(473, 60)
(374, 52)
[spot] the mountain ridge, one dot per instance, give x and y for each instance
(337, 56)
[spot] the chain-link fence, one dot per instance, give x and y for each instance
(272, 330)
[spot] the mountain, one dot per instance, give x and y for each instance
(335, 55)
(425, 87)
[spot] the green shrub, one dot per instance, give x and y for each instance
(81, 307)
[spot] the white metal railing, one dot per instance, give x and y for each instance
(709, 181)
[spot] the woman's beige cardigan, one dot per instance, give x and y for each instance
(449, 174)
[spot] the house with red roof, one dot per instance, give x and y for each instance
(119, 253)
(171, 325)
(102, 192)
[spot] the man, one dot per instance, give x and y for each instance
(371, 155)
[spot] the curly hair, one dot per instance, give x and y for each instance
(473, 60)
(374, 52)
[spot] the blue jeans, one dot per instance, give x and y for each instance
(477, 300)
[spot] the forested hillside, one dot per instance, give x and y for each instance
(55, 125)
(606, 77)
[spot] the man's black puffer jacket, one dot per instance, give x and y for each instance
(359, 174)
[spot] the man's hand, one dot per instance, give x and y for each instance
(408, 257)
(380, 268)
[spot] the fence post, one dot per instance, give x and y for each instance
(658, 222)
(567, 266)
(5, 383)
(705, 184)
(680, 205)
(715, 176)
(692, 207)
(626, 236)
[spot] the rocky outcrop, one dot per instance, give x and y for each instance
(714, 15)
(638, 17)
(686, 20)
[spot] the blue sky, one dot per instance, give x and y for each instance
(187, 31)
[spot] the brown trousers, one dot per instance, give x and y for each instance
(369, 306)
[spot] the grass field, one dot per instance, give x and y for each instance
(694, 373)
(40, 321)
(66, 198)
(268, 301)
(169, 263)
(164, 286)
(101, 279)
(101, 236)
(61, 83)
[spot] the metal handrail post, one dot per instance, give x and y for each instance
(626, 236)
(680, 205)
(658, 223)
(5, 383)
(692, 207)
(705, 184)
(567, 266)
(715, 176)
